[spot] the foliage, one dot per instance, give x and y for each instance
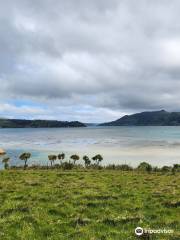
(145, 167)
(123, 167)
(87, 161)
(6, 162)
(24, 157)
(176, 168)
(61, 157)
(97, 158)
(166, 169)
(75, 158)
(155, 118)
(52, 158)
(67, 165)
(21, 123)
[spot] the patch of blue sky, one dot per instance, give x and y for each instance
(26, 102)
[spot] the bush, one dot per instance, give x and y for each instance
(67, 166)
(156, 169)
(144, 166)
(123, 167)
(176, 168)
(166, 169)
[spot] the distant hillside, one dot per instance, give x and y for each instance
(91, 124)
(18, 123)
(157, 118)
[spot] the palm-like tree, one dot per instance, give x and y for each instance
(6, 162)
(97, 158)
(24, 157)
(75, 158)
(61, 157)
(52, 158)
(87, 161)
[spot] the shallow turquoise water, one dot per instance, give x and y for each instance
(157, 145)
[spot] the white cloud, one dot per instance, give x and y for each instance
(170, 52)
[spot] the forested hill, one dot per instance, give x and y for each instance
(19, 123)
(156, 118)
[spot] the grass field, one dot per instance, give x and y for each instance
(87, 205)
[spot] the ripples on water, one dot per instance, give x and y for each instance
(158, 145)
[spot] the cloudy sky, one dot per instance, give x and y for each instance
(88, 60)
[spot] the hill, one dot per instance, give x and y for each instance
(156, 118)
(20, 123)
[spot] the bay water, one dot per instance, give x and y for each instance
(118, 145)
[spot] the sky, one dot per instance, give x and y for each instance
(91, 61)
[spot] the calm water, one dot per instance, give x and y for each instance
(131, 145)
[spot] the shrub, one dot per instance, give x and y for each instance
(87, 161)
(144, 166)
(166, 169)
(67, 165)
(176, 168)
(123, 167)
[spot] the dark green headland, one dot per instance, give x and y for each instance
(156, 118)
(20, 123)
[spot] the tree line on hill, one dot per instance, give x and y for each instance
(155, 118)
(22, 123)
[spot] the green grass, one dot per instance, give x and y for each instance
(87, 205)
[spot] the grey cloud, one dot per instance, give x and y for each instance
(120, 56)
